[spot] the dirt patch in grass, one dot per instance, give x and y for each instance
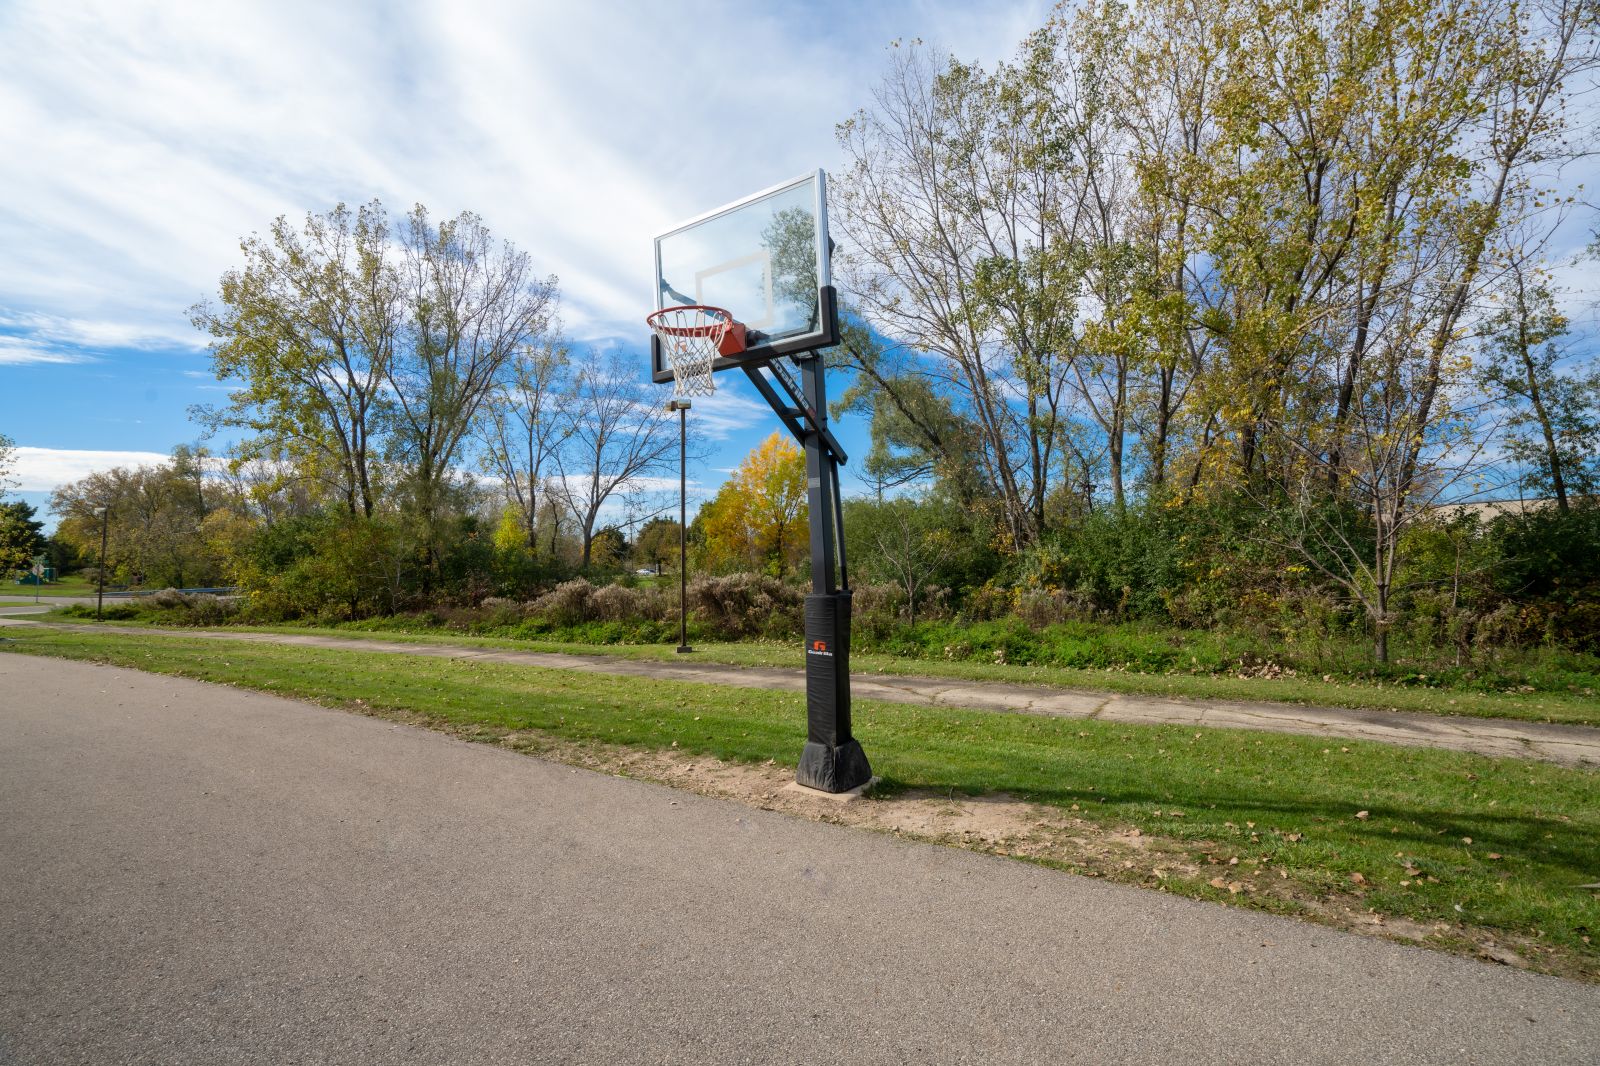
(1004, 825)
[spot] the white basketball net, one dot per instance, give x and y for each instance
(690, 339)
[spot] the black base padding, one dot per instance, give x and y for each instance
(833, 769)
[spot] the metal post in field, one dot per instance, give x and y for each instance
(104, 515)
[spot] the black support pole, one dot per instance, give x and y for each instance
(682, 407)
(832, 760)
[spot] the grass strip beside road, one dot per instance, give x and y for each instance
(1468, 845)
(1570, 708)
(71, 585)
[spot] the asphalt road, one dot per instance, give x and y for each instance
(194, 874)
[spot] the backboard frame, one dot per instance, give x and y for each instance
(759, 351)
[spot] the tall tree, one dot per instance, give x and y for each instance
(1553, 423)
(621, 436)
(471, 304)
(951, 181)
(526, 426)
(8, 459)
(365, 356)
(309, 326)
(21, 536)
(758, 517)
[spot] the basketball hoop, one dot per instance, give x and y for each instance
(692, 338)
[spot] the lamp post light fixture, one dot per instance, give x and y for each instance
(682, 407)
(104, 515)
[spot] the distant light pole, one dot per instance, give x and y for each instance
(682, 407)
(100, 592)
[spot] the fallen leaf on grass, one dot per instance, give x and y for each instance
(1363, 815)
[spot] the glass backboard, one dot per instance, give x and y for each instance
(763, 258)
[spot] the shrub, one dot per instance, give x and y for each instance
(736, 606)
(567, 604)
(876, 610)
(988, 602)
(617, 603)
(207, 610)
(935, 605)
(1549, 561)
(1044, 607)
(114, 612)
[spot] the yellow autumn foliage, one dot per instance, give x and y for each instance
(758, 519)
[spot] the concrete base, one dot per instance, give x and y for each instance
(836, 797)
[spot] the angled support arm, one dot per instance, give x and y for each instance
(797, 415)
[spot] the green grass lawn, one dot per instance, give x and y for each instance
(71, 585)
(1579, 708)
(1467, 844)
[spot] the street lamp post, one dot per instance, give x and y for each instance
(682, 407)
(100, 591)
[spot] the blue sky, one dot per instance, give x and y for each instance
(140, 141)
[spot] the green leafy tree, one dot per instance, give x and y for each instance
(8, 453)
(608, 547)
(328, 563)
(365, 353)
(308, 327)
(657, 543)
(1553, 426)
(21, 536)
(469, 305)
(904, 541)
(154, 521)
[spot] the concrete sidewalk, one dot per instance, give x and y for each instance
(1570, 745)
(194, 874)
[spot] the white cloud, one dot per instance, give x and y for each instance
(32, 338)
(94, 333)
(729, 410)
(25, 351)
(145, 139)
(44, 469)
